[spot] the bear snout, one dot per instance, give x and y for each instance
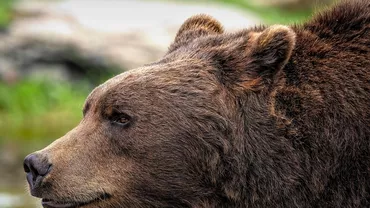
(36, 167)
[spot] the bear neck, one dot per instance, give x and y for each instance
(263, 158)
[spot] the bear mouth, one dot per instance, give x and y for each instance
(50, 203)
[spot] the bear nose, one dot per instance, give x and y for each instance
(37, 168)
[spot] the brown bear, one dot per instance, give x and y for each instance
(271, 116)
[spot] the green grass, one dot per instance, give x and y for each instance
(269, 14)
(5, 12)
(273, 15)
(35, 112)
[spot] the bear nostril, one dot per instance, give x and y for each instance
(26, 168)
(36, 168)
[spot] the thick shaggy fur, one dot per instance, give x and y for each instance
(266, 117)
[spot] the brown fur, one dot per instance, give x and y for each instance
(266, 117)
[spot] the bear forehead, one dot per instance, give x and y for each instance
(182, 73)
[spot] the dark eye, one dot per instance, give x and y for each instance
(121, 119)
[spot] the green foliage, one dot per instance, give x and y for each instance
(38, 111)
(273, 15)
(5, 12)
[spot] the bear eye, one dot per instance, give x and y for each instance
(121, 119)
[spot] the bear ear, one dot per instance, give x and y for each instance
(271, 50)
(194, 27)
(265, 53)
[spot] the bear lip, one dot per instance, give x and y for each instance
(49, 203)
(53, 204)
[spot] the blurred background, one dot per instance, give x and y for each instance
(53, 53)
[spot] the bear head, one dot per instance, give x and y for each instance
(174, 133)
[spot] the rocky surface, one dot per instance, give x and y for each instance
(77, 38)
